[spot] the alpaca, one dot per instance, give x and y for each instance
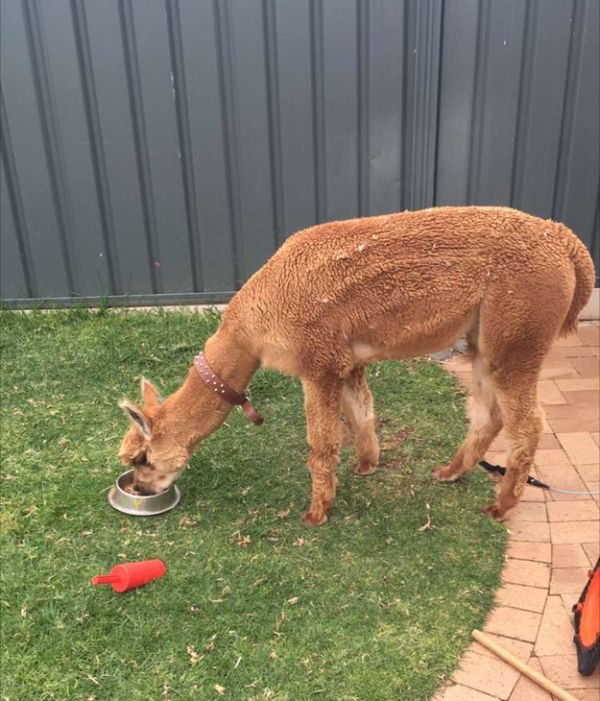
(338, 296)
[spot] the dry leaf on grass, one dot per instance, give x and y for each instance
(193, 655)
(242, 541)
(426, 526)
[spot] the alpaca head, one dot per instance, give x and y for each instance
(156, 452)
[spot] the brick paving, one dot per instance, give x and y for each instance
(554, 539)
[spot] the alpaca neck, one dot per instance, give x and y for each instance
(194, 409)
(230, 358)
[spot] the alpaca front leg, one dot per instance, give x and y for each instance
(322, 408)
(324, 482)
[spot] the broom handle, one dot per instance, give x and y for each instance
(538, 678)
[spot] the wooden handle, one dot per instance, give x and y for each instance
(536, 677)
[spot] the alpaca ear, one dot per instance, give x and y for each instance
(138, 417)
(150, 395)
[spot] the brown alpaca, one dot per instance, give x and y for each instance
(338, 296)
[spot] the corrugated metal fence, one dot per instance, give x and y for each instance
(160, 150)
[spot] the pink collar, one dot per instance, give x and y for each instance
(227, 393)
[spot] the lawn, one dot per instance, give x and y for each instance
(254, 604)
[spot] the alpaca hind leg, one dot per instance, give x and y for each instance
(346, 434)
(517, 328)
(523, 425)
(486, 423)
(357, 404)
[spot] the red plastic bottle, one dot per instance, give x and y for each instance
(131, 574)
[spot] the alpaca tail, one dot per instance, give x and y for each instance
(585, 278)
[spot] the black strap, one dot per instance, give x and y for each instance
(498, 469)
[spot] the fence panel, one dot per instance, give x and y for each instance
(159, 151)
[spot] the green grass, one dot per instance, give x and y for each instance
(254, 604)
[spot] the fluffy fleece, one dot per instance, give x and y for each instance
(338, 296)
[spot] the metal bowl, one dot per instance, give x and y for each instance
(137, 505)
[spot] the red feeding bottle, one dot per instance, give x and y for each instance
(131, 574)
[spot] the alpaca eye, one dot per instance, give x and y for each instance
(140, 459)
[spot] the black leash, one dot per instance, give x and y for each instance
(498, 469)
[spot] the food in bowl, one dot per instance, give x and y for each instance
(124, 498)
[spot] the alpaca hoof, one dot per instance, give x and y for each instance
(443, 474)
(364, 469)
(494, 511)
(312, 520)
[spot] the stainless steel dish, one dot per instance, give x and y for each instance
(137, 505)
